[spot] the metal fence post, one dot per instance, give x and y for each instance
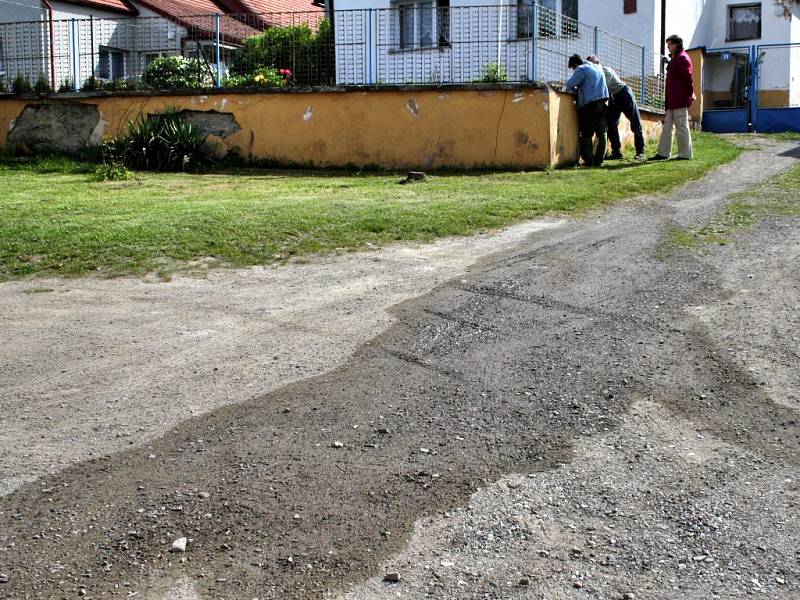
(369, 46)
(91, 43)
(216, 50)
(595, 42)
(754, 76)
(74, 54)
(644, 74)
(534, 37)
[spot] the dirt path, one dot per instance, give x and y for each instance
(601, 399)
(93, 366)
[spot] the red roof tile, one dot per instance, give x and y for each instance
(198, 17)
(277, 12)
(121, 6)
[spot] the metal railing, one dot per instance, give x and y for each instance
(414, 44)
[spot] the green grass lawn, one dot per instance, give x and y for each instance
(54, 220)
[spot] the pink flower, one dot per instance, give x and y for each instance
(285, 73)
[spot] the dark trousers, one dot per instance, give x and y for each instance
(623, 103)
(592, 122)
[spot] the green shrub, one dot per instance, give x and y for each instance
(42, 86)
(112, 171)
(2, 84)
(307, 55)
(177, 72)
(66, 86)
(493, 73)
(21, 85)
(162, 142)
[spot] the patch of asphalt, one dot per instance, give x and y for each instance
(93, 366)
(658, 508)
(652, 509)
(758, 324)
(308, 489)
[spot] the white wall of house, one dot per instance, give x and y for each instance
(21, 35)
(371, 47)
(114, 45)
(639, 27)
(715, 27)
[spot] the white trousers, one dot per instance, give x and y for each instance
(679, 119)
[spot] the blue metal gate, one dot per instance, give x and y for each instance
(777, 88)
(727, 85)
(752, 88)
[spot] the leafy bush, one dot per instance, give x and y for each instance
(177, 72)
(112, 171)
(2, 84)
(21, 85)
(493, 73)
(66, 86)
(95, 84)
(163, 142)
(307, 55)
(42, 85)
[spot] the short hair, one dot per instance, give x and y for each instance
(575, 61)
(593, 59)
(676, 39)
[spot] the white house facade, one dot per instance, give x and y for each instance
(460, 41)
(69, 42)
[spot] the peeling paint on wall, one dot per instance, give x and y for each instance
(412, 107)
(518, 97)
(308, 114)
(63, 127)
(212, 122)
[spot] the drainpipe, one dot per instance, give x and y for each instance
(49, 8)
(663, 27)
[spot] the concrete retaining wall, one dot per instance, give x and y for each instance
(519, 127)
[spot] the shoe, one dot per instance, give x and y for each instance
(658, 157)
(614, 156)
(640, 157)
(681, 158)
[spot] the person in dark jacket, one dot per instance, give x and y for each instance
(621, 102)
(589, 83)
(679, 90)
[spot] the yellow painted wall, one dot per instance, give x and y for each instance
(393, 129)
(564, 127)
(696, 109)
(519, 128)
(564, 124)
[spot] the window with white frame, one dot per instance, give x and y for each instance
(111, 63)
(744, 21)
(559, 18)
(422, 24)
(525, 10)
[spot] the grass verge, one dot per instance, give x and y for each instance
(778, 197)
(53, 220)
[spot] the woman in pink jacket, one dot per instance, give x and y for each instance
(679, 91)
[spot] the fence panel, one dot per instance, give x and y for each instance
(777, 86)
(408, 45)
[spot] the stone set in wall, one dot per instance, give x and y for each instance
(513, 127)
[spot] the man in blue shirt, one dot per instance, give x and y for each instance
(589, 82)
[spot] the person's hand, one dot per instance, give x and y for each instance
(694, 97)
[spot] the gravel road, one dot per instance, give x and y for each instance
(581, 416)
(92, 366)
